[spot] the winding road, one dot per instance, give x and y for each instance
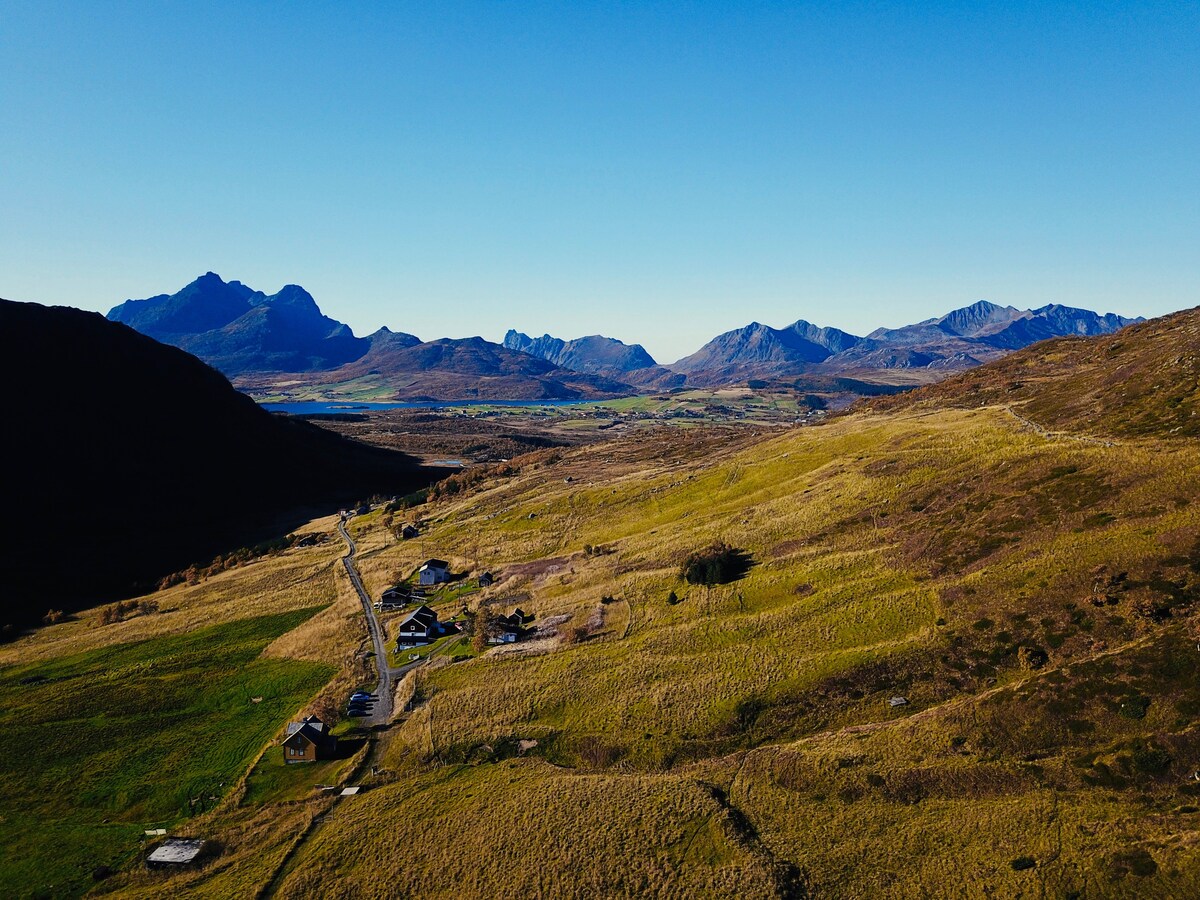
(382, 709)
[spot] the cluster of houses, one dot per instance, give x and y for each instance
(421, 626)
(509, 629)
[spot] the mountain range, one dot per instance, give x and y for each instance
(266, 342)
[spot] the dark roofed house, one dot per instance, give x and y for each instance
(420, 626)
(408, 531)
(393, 598)
(486, 580)
(434, 571)
(308, 741)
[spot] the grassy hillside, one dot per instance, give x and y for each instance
(1031, 597)
(1143, 381)
(108, 742)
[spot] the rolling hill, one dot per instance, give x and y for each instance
(146, 460)
(1146, 380)
(446, 369)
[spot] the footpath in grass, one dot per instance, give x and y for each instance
(104, 744)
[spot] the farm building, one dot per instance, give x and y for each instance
(487, 579)
(308, 741)
(421, 626)
(409, 531)
(434, 571)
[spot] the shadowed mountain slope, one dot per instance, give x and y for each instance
(143, 460)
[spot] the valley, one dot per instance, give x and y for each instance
(959, 658)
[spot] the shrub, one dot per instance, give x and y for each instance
(53, 616)
(1032, 657)
(1149, 758)
(576, 635)
(716, 564)
(1134, 706)
(1021, 863)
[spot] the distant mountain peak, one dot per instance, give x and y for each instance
(237, 329)
(594, 354)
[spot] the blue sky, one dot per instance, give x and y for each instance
(658, 172)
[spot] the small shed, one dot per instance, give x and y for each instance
(898, 701)
(175, 852)
(409, 531)
(487, 579)
(434, 571)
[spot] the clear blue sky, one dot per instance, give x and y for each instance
(658, 172)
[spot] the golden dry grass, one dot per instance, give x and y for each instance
(738, 742)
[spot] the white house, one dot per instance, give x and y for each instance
(434, 571)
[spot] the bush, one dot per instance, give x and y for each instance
(53, 616)
(1021, 863)
(575, 635)
(1032, 657)
(716, 564)
(1149, 758)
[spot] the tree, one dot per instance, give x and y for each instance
(485, 624)
(716, 564)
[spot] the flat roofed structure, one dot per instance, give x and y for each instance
(175, 852)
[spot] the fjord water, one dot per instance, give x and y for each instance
(321, 407)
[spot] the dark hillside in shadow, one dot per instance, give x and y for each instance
(127, 459)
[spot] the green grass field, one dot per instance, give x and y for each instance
(112, 741)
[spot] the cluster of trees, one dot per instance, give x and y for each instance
(463, 481)
(122, 609)
(717, 563)
(194, 574)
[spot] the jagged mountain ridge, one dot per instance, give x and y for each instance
(262, 340)
(594, 353)
(237, 329)
(961, 339)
